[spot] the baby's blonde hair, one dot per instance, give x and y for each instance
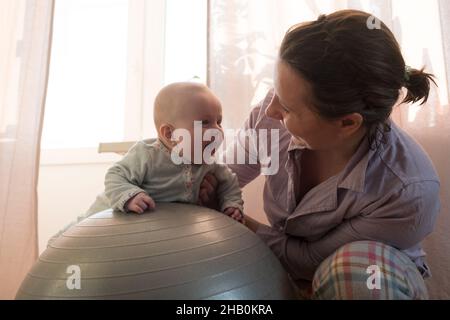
(171, 98)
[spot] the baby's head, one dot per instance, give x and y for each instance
(179, 105)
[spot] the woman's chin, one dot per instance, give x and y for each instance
(300, 142)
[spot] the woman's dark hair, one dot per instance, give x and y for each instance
(353, 66)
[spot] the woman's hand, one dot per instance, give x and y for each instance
(208, 196)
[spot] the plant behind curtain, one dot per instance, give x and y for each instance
(245, 36)
(25, 33)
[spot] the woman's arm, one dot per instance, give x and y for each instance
(245, 172)
(402, 222)
(248, 171)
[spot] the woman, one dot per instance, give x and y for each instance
(354, 195)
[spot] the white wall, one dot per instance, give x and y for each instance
(66, 191)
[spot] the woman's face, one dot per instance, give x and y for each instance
(291, 105)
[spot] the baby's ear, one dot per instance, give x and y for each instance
(166, 130)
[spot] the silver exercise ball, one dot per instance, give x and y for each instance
(178, 251)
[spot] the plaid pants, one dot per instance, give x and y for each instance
(367, 270)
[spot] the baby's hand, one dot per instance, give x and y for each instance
(140, 203)
(234, 213)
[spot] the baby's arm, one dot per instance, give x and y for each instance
(124, 178)
(228, 191)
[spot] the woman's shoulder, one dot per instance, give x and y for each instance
(405, 158)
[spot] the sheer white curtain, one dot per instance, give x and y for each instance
(243, 44)
(25, 35)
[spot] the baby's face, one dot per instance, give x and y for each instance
(205, 110)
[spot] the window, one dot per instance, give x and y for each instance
(186, 34)
(87, 81)
(109, 59)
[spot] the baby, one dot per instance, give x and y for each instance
(147, 174)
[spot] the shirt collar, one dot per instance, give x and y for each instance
(353, 176)
(295, 145)
(160, 145)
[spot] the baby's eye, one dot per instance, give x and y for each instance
(205, 122)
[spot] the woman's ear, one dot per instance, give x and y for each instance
(351, 123)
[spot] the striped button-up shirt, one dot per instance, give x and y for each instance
(388, 194)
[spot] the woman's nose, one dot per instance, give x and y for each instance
(273, 108)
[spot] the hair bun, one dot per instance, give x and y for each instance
(417, 82)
